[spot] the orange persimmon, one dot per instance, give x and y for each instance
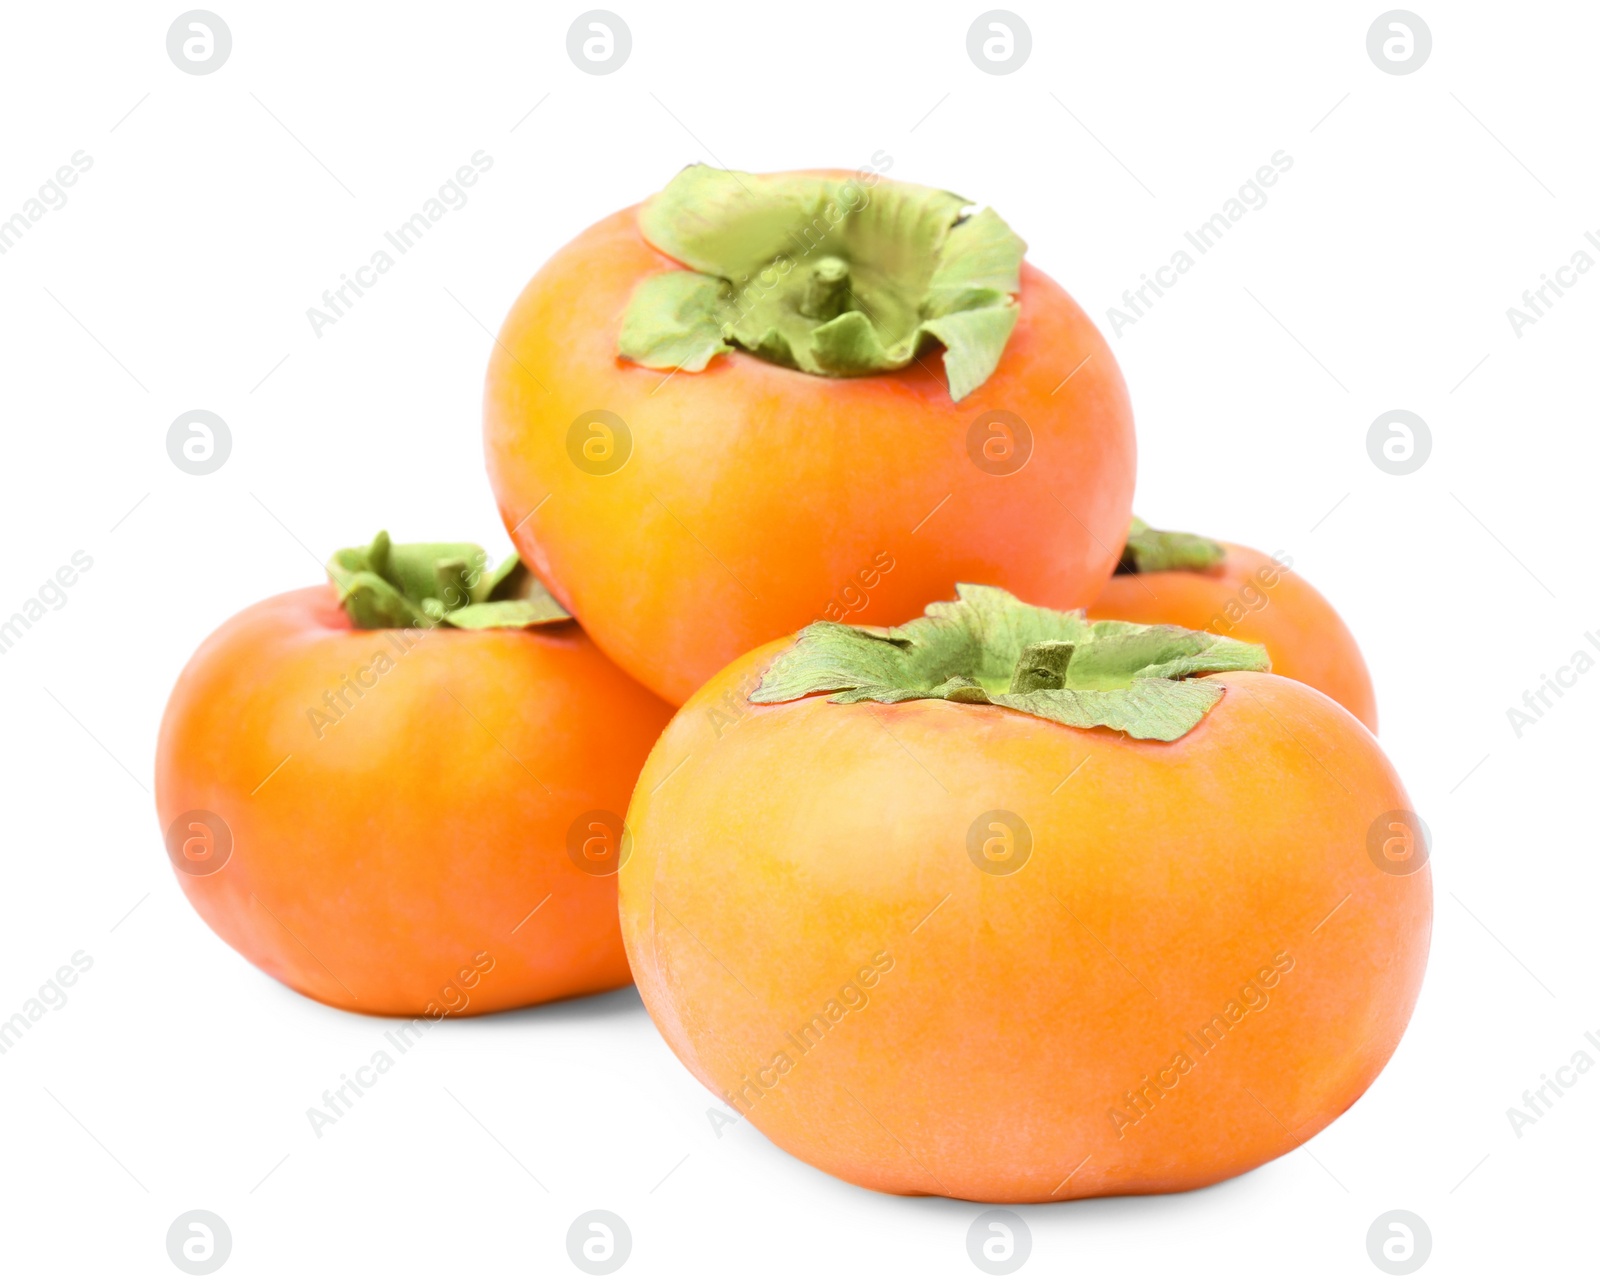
(721, 415)
(373, 813)
(1030, 908)
(1180, 579)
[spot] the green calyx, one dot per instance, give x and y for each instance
(383, 586)
(1149, 549)
(831, 276)
(988, 648)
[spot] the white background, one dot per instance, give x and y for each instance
(218, 209)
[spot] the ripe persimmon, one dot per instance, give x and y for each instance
(1010, 906)
(370, 789)
(716, 417)
(1180, 579)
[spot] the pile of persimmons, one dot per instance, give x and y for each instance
(962, 831)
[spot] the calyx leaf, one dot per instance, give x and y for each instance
(1149, 549)
(827, 275)
(990, 648)
(383, 586)
(673, 323)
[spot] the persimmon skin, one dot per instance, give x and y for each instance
(373, 864)
(797, 841)
(759, 499)
(1253, 597)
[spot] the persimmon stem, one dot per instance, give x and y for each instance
(1042, 666)
(455, 583)
(827, 289)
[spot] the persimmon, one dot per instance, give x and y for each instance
(718, 416)
(1182, 579)
(399, 793)
(1011, 906)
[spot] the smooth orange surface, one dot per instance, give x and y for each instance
(1253, 597)
(759, 499)
(781, 854)
(376, 864)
